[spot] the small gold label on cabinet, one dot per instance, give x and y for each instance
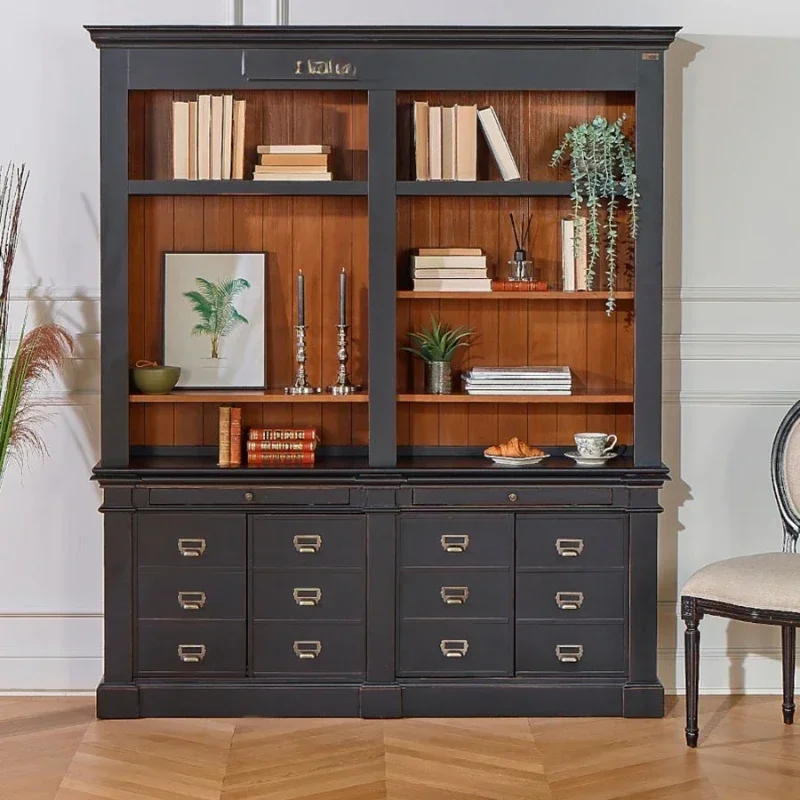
(651, 56)
(324, 68)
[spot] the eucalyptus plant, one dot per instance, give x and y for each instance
(439, 342)
(603, 168)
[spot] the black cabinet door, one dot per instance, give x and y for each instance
(191, 540)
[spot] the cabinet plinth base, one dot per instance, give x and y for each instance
(643, 700)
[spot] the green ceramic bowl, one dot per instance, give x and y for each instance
(155, 380)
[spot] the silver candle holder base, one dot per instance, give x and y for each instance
(301, 384)
(342, 386)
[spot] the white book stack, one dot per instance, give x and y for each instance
(518, 381)
(293, 162)
(450, 269)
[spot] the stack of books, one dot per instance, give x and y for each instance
(208, 138)
(574, 255)
(518, 380)
(450, 269)
(446, 142)
(293, 162)
(268, 447)
(230, 436)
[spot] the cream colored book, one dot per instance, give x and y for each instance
(466, 143)
(454, 285)
(239, 120)
(449, 143)
(277, 169)
(421, 131)
(204, 137)
(449, 251)
(581, 255)
(193, 140)
(266, 149)
(567, 255)
(216, 137)
(435, 143)
(303, 176)
(498, 144)
(227, 136)
(180, 140)
(321, 160)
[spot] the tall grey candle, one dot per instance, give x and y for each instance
(342, 298)
(301, 298)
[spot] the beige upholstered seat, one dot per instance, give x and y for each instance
(769, 581)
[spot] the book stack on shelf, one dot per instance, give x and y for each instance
(450, 269)
(281, 446)
(230, 436)
(208, 138)
(293, 162)
(574, 255)
(518, 381)
(446, 142)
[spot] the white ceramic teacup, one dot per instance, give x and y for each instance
(594, 445)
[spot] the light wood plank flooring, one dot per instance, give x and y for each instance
(54, 749)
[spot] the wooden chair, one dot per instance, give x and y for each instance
(762, 588)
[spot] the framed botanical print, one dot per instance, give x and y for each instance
(214, 319)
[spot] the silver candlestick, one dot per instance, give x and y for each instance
(301, 384)
(342, 385)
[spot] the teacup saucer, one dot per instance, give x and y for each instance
(590, 461)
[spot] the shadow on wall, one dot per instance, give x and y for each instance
(677, 492)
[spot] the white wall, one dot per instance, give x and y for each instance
(731, 337)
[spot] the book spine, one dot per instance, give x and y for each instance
(282, 447)
(520, 286)
(568, 255)
(224, 436)
(581, 255)
(281, 434)
(274, 459)
(236, 437)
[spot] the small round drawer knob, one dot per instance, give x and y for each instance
(249, 496)
(512, 497)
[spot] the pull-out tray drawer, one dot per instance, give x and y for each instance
(568, 648)
(199, 593)
(511, 496)
(252, 495)
(191, 540)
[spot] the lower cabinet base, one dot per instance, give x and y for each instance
(591, 698)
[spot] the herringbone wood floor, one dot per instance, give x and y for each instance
(53, 748)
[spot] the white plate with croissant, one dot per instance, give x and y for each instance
(515, 453)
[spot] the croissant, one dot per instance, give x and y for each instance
(514, 448)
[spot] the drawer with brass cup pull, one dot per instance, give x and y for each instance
(191, 540)
(334, 651)
(455, 593)
(313, 594)
(441, 648)
(570, 595)
(570, 647)
(463, 540)
(175, 647)
(191, 594)
(309, 541)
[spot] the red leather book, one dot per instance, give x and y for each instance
(282, 434)
(279, 459)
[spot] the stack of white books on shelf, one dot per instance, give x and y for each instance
(293, 162)
(518, 381)
(208, 138)
(574, 255)
(450, 269)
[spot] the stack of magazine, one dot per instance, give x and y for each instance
(518, 380)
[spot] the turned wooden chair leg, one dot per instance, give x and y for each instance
(692, 658)
(788, 636)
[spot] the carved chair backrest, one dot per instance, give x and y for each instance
(786, 476)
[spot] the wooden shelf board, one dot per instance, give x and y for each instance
(244, 396)
(408, 295)
(487, 189)
(600, 396)
(247, 187)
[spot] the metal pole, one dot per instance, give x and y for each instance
(282, 12)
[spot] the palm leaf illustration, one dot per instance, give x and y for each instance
(214, 305)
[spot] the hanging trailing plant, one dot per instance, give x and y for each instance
(603, 167)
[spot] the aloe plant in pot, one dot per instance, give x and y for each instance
(436, 346)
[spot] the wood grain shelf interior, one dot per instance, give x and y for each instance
(234, 396)
(515, 296)
(595, 397)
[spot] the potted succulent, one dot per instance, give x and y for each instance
(38, 353)
(436, 346)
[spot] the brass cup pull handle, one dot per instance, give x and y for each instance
(191, 548)
(455, 542)
(307, 543)
(569, 548)
(454, 648)
(191, 653)
(569, 601)
(307, 597)
(454, 595)
(306, 650)
(569, 653)
(191, 601)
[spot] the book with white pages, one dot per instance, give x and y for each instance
(452, 285)
(527, 392)
(445, 262)
(516, 371)
(498, 144)
(568, 255)
(448, 274)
